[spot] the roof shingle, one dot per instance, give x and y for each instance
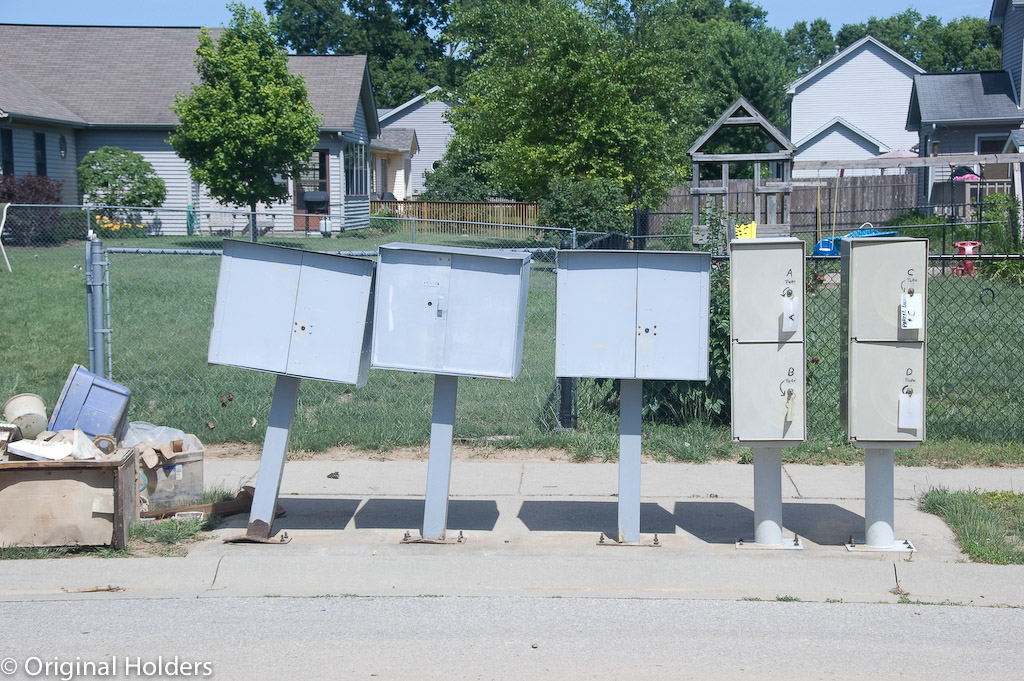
(961, 97)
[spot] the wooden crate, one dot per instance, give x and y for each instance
(68, 503)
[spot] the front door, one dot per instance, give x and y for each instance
(313, 178)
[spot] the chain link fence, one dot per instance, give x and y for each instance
(160, 311)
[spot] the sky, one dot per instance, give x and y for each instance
(781, 13)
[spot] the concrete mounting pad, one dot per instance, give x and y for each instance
(532, 529)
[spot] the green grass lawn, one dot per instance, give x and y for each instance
(162, 309)
(989, 526)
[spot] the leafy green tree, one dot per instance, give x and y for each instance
(966, 44)
(591, 204)
(560, 93)
(459, 176)
(111, 176)
(400, 39)
(809, 46)
(249, 120)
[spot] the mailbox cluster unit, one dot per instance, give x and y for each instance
(883, 330)
(766, 287)
(632, 315)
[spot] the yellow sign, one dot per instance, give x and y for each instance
(747, 231)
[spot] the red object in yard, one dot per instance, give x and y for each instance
(968, 268)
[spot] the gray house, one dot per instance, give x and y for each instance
(970, 113)
(853, 106)
(67, 90)
(426, 116)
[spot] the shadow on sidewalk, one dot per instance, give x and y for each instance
(723, 522)
(591, 516)
(407, 514)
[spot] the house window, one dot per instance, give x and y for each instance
(40, 139)
(6, 152)
(993, 144)
(357, 169)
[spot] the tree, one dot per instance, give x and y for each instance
(111, 176)
(965, 44)
(557, 92)
(249, 121)
(400, 39)
(809, 46)
(458, 176)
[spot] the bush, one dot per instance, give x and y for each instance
(32, 226)
(385, 226)
(588, 205)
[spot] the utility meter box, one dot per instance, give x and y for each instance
(883, 328)
(632, 314)
(293, 312)
(766, 302)
(451, 311)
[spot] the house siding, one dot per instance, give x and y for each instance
(1013, 39)
(356, 209)
(432, 134)
(57, 168)
(838, 142)
(151, 145)
(869, 89)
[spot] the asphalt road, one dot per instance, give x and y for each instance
(503, 638)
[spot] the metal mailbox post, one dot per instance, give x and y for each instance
(297, 314)
(882, 367)
(766, 294)
(632, 315)
(450, 312)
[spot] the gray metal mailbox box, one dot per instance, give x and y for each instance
(293, 312)
(632, 314)
(766, 294)
(883, 331)
(450, 311)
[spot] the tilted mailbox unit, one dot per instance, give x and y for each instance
(882, 365)
(766, 303)
(297, 314)
(632, 315)
(450, 312)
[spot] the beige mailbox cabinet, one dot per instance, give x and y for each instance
(883, 328)
(766, 294)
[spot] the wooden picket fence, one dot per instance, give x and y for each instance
(503, 220)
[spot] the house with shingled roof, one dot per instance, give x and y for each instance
(853, 106)
(392, 157)
(970, 112)
(426, 114)
(67, 90)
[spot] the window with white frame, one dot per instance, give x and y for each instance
(357, 169)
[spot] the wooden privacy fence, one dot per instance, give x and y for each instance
(463, 218)
(853, 201)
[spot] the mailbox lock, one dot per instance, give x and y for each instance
(788, 293)
(907, 390)
(910, 291)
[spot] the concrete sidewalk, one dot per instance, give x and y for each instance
(532, 529)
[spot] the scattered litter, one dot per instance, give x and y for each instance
(211, 425)
(333, 476)
(28, 412)
(189, 515)
(242, 503)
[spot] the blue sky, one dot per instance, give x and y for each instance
(781, 13)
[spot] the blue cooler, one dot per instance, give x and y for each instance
(93, 404)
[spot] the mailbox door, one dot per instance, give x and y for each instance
(767, 283)
(763, 410)
(483, 317)
(595, 326)
(671, 326)
(256, 293)
(879, 274)
(410, 313)
(330, 318)
(880, 373)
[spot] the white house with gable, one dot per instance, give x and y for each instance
(853, 106)
(426, 115)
